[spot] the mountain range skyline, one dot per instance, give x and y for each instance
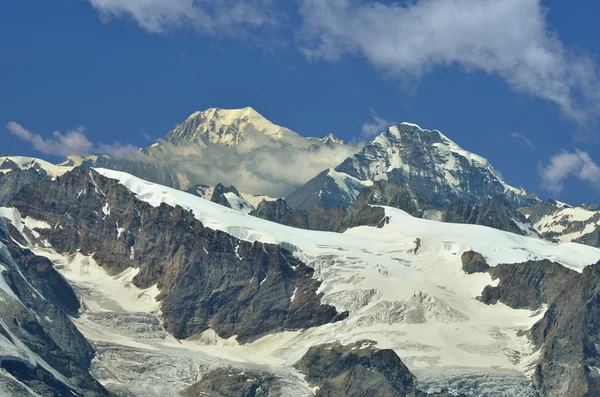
(125, 80)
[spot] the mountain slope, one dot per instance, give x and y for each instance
(428, 161)
(560, 222)
(41, 351)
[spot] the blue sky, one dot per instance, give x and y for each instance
(514, 81)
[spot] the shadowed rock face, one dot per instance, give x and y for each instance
(473, 262)
(336, 219)
(358, 370)
(12, 182)
(569, 335)
(363, 212)
(38, 319)
(495, 213)
(527, 285)
(218, 195)
(569, 332)
(207, 278)
(226, 382)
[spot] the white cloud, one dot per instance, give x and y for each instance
(71, 142)
(578, 164)
(407, 39)
(508, 38)
(377, 126)
(256, 165)
(521, 137)
(209, 16)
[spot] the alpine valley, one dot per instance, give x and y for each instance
(237, 258)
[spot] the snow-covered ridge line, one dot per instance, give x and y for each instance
(490, 242)
(25, 163)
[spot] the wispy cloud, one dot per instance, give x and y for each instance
(508, 38)
(257, 165)
(377, 126)
(71, 142)
(523, 139)
(576, 164)
(213, 17)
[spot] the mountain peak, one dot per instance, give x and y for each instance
(331, 139)
(438, 168)
(224, 126)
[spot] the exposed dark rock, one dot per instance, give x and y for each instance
(233, 383)
(393, 194)
(207, 278)
(355, 370)
(592, 239)
(199, 190)
(218, 197)
(473, 262)
(363, 212)
(8, 164)
(358, 370)
(527, 285)
(38, 320)
(569, 337)
(308, 195)
(11, 183)
(495, 213)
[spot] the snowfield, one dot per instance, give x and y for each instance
(403, 286)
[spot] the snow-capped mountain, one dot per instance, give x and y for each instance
(428, 161)
(236, 147)
(226, 126)
(233, 127)
(242, 294)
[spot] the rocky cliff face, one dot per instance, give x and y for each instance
(569, 339)
(231, 198)
(207, 278)
(496, 213)
(12, 182)
(567, 335)
(41, 351)
(429, 162)
(527, 285)
(358, 370)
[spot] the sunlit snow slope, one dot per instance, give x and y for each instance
(418, 301)
(403, 286)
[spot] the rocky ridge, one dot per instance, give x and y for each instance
(207, 278)
(429, 162)
(41, 351)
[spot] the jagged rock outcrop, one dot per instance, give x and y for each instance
(473, 262)
(363, 212)
(336, 219)
(278, 211)
(496, 213)
(230, 198)
(358, 370)
(568, 337)
(207, 278)
(229, 382)
(39, 346)
(12, 182)
(527, 285)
